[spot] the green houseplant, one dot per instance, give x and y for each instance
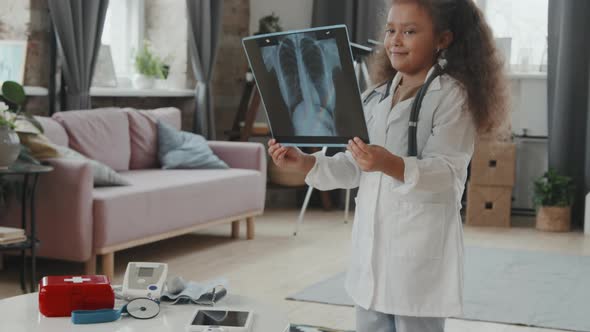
(553, 197)
(13, 118)
(9, 142)
(269, 24)
(148, 67)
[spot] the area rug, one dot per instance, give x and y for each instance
(507, 286)
(307, 328)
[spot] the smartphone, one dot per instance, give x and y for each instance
(221, 320)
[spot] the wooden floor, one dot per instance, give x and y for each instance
(276, 264)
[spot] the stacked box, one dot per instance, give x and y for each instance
(489, 192)
(494, 164)
(488, 205)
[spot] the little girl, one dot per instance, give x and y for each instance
(406, 267)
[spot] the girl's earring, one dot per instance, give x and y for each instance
(442, 58)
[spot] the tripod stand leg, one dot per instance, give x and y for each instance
(306, 201)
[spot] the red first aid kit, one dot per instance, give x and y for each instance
(60, 295)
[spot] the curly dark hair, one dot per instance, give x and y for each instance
(472, 58)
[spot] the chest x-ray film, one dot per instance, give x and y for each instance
(308, 86)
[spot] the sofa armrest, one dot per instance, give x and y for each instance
(64, 210)
(248, 155)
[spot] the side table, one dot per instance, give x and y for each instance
(30, 174)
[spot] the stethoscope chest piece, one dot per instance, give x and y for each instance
(142, 308)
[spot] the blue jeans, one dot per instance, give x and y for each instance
(373, 321)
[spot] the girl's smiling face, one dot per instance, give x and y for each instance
(410, 39)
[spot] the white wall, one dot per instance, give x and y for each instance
(529, 104)
(293, 14)
(14, 19)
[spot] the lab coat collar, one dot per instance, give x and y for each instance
(405, 105)
(381, 89)
(435, 85)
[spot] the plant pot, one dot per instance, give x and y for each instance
(143, 82)
(9, 147)
(161, 84)
(554, 218)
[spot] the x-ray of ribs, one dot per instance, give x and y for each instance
(304, 68)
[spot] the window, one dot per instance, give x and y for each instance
(123, 31)
(523, 24)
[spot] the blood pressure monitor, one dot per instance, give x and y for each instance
(144, 280)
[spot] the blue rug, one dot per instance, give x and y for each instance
(506, 286)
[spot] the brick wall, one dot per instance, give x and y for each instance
(231, 67)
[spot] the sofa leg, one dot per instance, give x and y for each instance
(90, 266)
(235, 229)
(108, 265)
(250, 228)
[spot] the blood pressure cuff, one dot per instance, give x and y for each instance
(179, 291)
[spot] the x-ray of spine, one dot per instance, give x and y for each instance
(304, 67)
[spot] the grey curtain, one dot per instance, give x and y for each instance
(363, 18)
(78, 27)
(204, 18)
(568, 94)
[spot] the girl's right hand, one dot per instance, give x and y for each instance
(289, 157)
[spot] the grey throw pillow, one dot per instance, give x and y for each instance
(103, 175)
(180, 149)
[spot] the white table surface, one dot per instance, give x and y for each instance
(21, 313)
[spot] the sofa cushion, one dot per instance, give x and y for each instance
(183, 150)
(160, 201)
(144, 134)
(39, 145)
(101, 134)
(53, 130)
(103, 175)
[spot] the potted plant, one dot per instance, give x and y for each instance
(9, 142)
(12, 116)
(269, 24)
(553, 197)
(266, 24)
(148, 67)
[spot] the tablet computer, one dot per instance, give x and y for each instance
(308, 86)
(221, 320)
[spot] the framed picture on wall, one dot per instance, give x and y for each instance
(104, 71)
(13, 55)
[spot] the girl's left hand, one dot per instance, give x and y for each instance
(370, 158)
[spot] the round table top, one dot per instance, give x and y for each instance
(21, 313)
(25, 168)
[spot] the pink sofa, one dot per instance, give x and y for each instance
(78, 222)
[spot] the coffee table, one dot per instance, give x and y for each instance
(21, 313)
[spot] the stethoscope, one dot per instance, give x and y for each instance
(416, 105)
(139, 308)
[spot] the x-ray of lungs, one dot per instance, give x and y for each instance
(308, 86)
(304, 67)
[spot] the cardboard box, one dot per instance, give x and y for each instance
(488, 205)
(493, 164)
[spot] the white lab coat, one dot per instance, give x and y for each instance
(407, 237)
